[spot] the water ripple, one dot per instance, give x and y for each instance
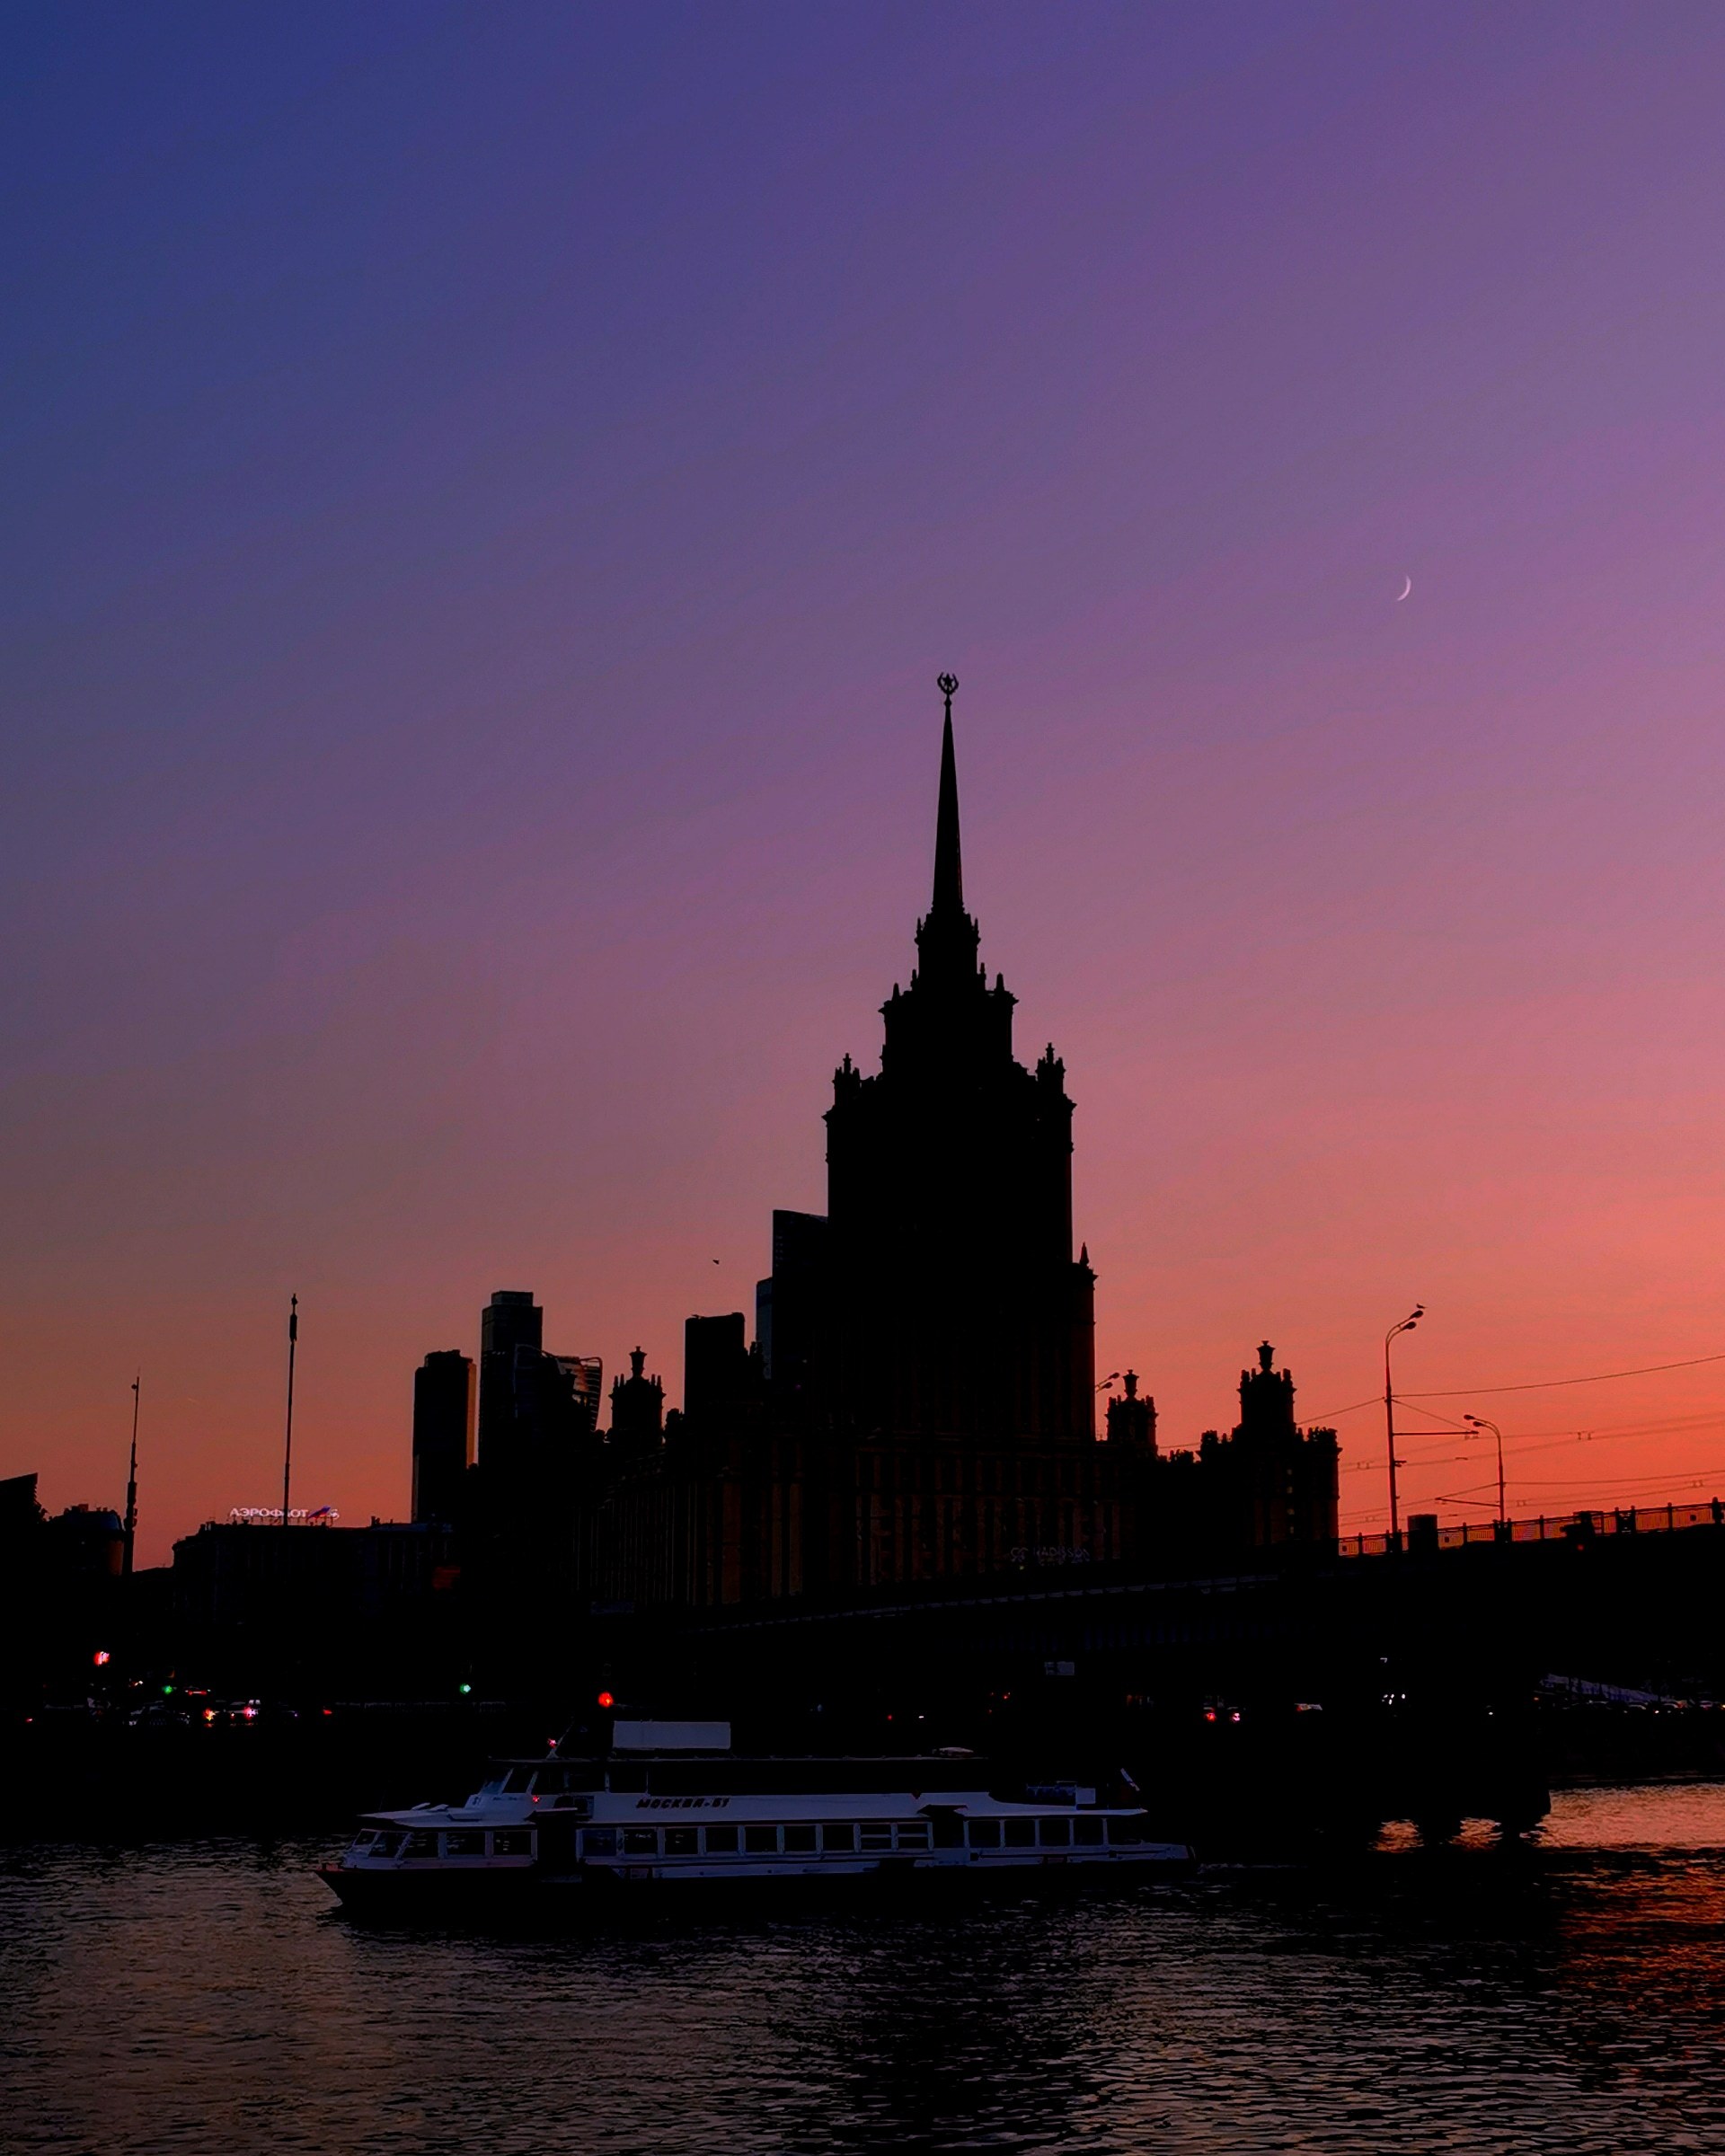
(205, 1998)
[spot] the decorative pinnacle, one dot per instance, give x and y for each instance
(947, 685)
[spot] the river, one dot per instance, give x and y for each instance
(1567, 1994)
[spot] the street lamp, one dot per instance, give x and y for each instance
(1407, 1325)
(1485, 1422)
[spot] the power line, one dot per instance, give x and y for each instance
(1543, 1384)
(1520, 1444)
(1330, 1414)
(1550, 1384)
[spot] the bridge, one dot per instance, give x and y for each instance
(1323, 1685)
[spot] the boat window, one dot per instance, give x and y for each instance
(494, 1787)
(913, 1837)
(466, 1843)
(984, 1833)
(599, 1841)
(548, 1780)
(761, 1841)
(800, 1838)
(364, 1838)
(839, 1837)
(519, 1780)
(1087, 1832)
(388, 1845)
(1057, 1834)
(949, 1831)
(421, 1845)
(1019, 1833)
(640, 1841)
(1125, 1831)
(722, 1841)
(512, 1841)
(681, 1842)
(876, 1835)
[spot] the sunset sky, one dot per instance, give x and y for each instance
(486, 493)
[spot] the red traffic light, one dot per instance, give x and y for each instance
(606, 1700)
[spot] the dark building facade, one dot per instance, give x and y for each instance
(790, 1305)
(443, 1433)
(1268, 1482)
(584, 1374)
(524, 1503)
(371, 1609)
(510, 1321)
(637, 1407)
(1132, 1420)
(720, 1376)
(535, 1409)
(61, 1593)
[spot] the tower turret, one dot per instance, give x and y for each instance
(958, 1306)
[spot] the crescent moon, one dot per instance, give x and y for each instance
(1405, 590)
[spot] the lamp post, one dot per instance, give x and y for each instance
(1485, 1422)
(1407, 1325)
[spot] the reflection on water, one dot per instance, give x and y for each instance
(1565, 1995)
(1679, 1815)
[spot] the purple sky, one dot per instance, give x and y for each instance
(485, 494)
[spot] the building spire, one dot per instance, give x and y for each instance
(949, 875)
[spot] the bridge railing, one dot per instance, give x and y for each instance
(1424, 1533)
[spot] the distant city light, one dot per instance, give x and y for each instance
(265, 1515)
(463, 1689)
(103, 1657)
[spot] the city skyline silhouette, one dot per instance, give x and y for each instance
(473, 607)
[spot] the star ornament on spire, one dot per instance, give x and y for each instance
(947, 685)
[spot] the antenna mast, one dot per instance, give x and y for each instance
(287, 1451)
(131, 1485)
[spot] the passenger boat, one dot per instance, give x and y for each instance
(668, 1803)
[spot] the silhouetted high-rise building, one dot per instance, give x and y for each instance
(584, 1375)
(535, 1409)
(716, 1369)
(957, 1307)
(443, 1433)
(554, 1402)
(790, 1302)
(511, 1320)
(922, 1403)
